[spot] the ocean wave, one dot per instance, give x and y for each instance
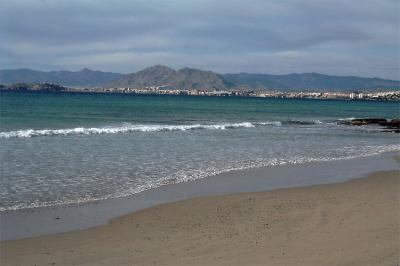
(347, 119)
(127, 128)
(302, 122)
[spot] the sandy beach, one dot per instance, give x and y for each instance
(350, 223)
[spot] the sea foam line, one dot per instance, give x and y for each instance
(204, 173)
(128, 127)
(125, 128)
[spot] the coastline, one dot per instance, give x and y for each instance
(354, 222)
(344, 95)
(33, 222)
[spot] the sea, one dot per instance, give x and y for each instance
(69, 148)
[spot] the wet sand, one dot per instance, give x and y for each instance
(351, 223)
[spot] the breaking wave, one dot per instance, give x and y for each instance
(127, 128)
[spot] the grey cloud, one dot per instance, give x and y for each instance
(97, 34)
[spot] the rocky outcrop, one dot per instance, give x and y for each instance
(392, 125)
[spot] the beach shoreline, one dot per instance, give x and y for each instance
(349, 223)
(27, 223)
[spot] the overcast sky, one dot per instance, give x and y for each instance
(349, 37)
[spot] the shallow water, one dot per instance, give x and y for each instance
(69, 148)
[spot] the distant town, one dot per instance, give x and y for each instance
(164, 90)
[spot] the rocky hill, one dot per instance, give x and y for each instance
(185, 78)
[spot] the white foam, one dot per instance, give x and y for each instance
(128, 127)
(347, 119)
(272, 123)
(124, 128)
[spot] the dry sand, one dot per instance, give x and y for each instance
(351, 223)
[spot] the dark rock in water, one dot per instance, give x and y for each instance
(368, 121)
(394, 123)
(389, 125)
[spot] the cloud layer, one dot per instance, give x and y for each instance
(359, 37)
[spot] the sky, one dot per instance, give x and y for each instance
(341, 37)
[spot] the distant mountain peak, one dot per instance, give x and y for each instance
(190, 69)
(185, 78)
(157, 68)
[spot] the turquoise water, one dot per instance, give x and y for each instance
(39, 111)
(70, 148)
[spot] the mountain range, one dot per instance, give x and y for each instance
(190, 78)
(82, 78)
